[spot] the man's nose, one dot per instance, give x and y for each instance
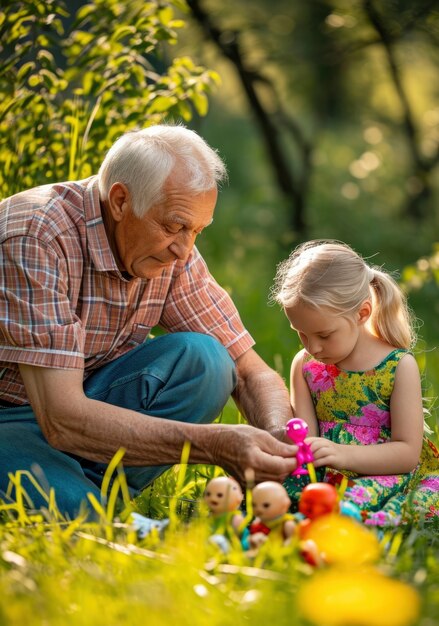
(182, 245)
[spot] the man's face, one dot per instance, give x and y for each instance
(145, 247)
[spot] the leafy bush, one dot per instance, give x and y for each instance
(71, 85)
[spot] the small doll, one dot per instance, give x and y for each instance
(270, 505)
(223, 496)
(297, 430)
(318, 499)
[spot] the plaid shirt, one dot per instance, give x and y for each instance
(64, 303)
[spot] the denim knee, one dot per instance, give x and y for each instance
(212, 356)
(183, 376)
(215, 363)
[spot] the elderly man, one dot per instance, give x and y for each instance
(88, 268)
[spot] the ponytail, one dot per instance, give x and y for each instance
(331, 274)
(391, 318)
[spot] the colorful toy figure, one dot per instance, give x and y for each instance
(297, 430)
(318, 499)
(270, 505)
(351, 510)
(147, 526)
(338, 539)
(223, 496)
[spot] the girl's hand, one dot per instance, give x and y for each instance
(326, 452)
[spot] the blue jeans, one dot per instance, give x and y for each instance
(181, 376)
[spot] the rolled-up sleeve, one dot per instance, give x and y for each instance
(197, 303)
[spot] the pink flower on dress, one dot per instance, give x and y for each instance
(381, 518)
(324, 427)
(322, 376)
(432, 482)
(372, 416)
(363, 434)
(359, 495)
(386, 481)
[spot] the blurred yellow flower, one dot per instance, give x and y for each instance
(341, 539)
(357, 597)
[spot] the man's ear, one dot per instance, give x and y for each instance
(364, 312)
(119, 201)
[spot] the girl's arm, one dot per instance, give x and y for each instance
(401, 454)
(301, 400)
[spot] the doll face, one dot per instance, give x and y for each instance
(222, 494)
(270, 500)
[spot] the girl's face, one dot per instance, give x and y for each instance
(328, 337)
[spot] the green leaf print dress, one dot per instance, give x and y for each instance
(353, 408)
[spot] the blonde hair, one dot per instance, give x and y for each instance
(331, 274)
(143, 160)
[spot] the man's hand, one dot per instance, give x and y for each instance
(238, 448)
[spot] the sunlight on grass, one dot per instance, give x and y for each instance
(60, 572)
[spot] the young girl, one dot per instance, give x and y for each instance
(357, 384)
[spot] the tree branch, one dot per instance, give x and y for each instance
(294, 186)
(422, 166)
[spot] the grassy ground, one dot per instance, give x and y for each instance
(54, 572)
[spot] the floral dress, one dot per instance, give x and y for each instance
(354, 408)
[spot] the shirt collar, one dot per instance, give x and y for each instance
(97, 240)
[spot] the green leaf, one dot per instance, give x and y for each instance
(160, 104)
(25, 70)
(34, 80)
(85, 11)
(46, 58)
(165, 15)
(184, 110)
(201, 103)
(50, 79)
(122, 31)
(215, 77)
(82, 38)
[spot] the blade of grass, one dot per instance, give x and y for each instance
(173, 518)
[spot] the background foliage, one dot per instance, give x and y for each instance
(328, 118)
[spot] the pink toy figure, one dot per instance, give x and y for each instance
(297, 431)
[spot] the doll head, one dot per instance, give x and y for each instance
(297, 429)
(270, 500)
(318, 499)
(222, 494)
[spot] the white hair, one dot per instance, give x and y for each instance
(144, 159)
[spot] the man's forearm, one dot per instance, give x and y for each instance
(264, 400)
(153, 441)
(96, 430)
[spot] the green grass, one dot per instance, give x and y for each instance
(57, 572)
